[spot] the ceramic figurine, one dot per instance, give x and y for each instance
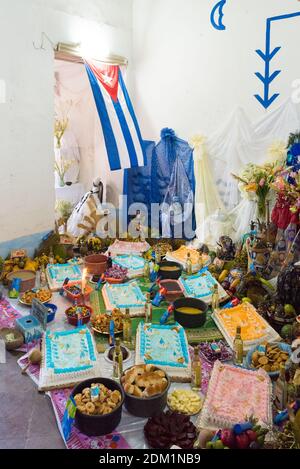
(226, 250)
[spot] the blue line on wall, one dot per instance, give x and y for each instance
(31, 243)
(217, 22)
(266, 100)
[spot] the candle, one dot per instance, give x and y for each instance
(83, 281)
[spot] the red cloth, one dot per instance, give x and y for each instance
(281, 214)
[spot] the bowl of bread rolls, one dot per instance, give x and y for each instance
(146, 389)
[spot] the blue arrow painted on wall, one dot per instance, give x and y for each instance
(266, 100)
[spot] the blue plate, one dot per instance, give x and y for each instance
(284, 347)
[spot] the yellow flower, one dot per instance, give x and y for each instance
(251, 187)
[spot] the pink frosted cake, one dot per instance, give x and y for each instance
(128, 247)
(234, 394)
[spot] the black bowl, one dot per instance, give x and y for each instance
(97, 425)
(190, 320)
(149, 406)
(169, 274)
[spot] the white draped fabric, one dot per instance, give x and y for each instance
(236, 143)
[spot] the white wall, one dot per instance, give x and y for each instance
(26, 118)
(190, 77)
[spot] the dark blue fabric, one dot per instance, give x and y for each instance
(163, 161)
(150, 184)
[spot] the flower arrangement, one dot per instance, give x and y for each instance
(287, 182)
(256, 182)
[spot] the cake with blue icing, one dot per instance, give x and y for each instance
(200, 286)
(124, 296)
(133, 263)
(57, 273)
(166, 347)
(68, 357)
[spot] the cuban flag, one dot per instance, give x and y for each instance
(122, 136)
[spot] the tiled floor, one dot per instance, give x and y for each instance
(26, 416)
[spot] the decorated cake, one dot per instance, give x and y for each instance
(133, 263)
(180, 256)
(123, 296)
(165, 347)
(254, 328)
(68, 357)
(128, 247)
(57, 273)
(234, 394)
(200, 286)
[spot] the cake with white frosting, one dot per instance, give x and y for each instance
(124, 296)
(57, 273)
(133, 263)
(200, 286)
(166, 347)
(68, 357)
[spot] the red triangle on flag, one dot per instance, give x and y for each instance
(108, 75)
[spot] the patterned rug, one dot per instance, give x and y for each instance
(78, 440)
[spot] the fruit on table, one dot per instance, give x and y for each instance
(251, 435)
(204, 437)
(31, 265)
(218, 445)
(235, 283)
(242, 441)
(223, 275)
(286, 331)
(228, 438)
(289, 310)
(246, 300)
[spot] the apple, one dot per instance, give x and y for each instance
(242, 441)
(251, 435)
(228, 438)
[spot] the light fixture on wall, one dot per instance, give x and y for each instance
(74, 52)
(69, 48)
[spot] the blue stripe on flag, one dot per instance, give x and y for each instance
(110, 141)
(127, 136)
(131, 110)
